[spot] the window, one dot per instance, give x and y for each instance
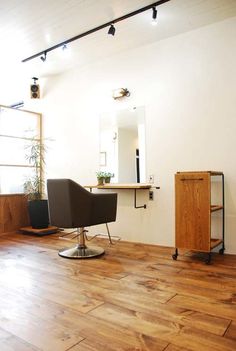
(17, 129)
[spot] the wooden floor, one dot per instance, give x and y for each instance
(133, 298)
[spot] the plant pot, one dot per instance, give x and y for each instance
(38, 213)
(107, 179)
(100, 181)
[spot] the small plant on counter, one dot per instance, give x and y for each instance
(108, 176)
(100, 177)
(104, 177)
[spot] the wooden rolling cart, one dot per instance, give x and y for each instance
(193, 210)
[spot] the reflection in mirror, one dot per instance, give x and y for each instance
(122, 145)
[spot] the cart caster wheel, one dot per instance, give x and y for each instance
(174, 257)
(221, 251)
(208, 262)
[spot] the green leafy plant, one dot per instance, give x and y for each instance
(100, 175)
(108, 174)
(103, 176)
(33, 186)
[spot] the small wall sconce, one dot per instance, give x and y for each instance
(120, 93)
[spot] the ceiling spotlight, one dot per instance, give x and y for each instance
(112, 30)
(44, 57)
(109, 24)
(65, 51)
(154, 16)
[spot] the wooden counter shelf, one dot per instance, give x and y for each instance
(215, 242)
(124, 186)
(120, 186)
(216, 208)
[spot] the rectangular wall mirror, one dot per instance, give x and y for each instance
(122, 145)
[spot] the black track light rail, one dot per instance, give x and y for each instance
(119, 19)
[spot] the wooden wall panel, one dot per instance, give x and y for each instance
(13, 212)
(192, 201)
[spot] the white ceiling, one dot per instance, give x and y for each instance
(28, 27)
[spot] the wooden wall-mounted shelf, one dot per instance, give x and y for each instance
(123, 186)
(120, 186)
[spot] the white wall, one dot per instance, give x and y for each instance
(187, 85)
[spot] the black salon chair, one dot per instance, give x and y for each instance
(72, 206)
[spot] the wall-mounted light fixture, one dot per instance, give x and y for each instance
(35, 89)
(111, 30)
(120, 93)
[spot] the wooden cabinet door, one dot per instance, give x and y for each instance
(192, 211)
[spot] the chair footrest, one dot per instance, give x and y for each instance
(115, 237)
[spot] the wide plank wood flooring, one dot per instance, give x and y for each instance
(134, 298)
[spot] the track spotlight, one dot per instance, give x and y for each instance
(44, 57)
(110, 24)
(154, 16)
(112, 30)
(65, 51)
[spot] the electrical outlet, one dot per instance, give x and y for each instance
(151, 195)
(151, 178)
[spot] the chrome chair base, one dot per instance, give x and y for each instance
(81, 252)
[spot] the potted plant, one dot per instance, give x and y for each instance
(100, 177)
(33, 186)
(108, 176)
